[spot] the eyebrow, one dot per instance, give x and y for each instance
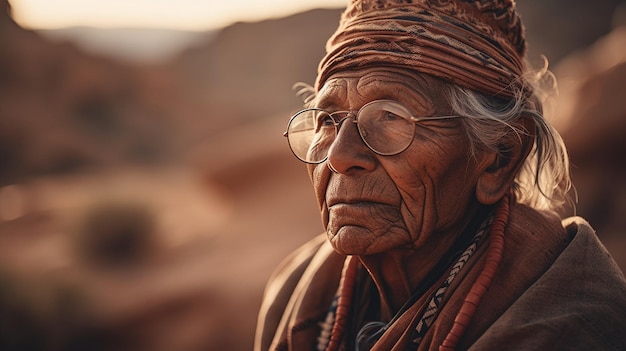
(332, 93)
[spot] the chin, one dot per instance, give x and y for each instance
(359, 241)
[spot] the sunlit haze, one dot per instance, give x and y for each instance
(180, 14)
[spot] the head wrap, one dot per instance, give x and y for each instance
(476, 44)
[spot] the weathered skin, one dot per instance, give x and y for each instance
(400, 213)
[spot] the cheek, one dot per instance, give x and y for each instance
(320, 175)
(440, 196)
(418, 206)
(456, 191)
(435, 195)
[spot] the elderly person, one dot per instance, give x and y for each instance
(438, 181)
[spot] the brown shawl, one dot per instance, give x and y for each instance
(554, 287)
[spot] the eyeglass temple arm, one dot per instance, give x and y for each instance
(419, 119)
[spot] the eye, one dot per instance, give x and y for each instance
(386, 117)
(390, 116)
(323, 120)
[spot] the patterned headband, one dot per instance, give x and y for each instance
(477, 44)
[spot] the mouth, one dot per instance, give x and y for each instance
(332, 202)
(360, 193)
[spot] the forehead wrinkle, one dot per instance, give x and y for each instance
(397, 87)
(332, 93)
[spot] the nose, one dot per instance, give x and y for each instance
(348, 153)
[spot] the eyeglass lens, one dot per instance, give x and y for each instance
(385, 127)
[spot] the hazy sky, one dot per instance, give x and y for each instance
(180, 14)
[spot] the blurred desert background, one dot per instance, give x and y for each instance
(147, 194)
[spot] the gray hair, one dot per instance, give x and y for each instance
(543, 181)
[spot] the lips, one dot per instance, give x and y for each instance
(354, 202)
(358, 211)
(340, 195)
(360, 191)
(365, 214)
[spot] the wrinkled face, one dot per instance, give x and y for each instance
(374, 203)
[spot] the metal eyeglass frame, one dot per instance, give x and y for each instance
(337, 124)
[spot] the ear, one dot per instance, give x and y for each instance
(499, 169)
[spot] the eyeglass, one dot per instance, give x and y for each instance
(387, 128)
